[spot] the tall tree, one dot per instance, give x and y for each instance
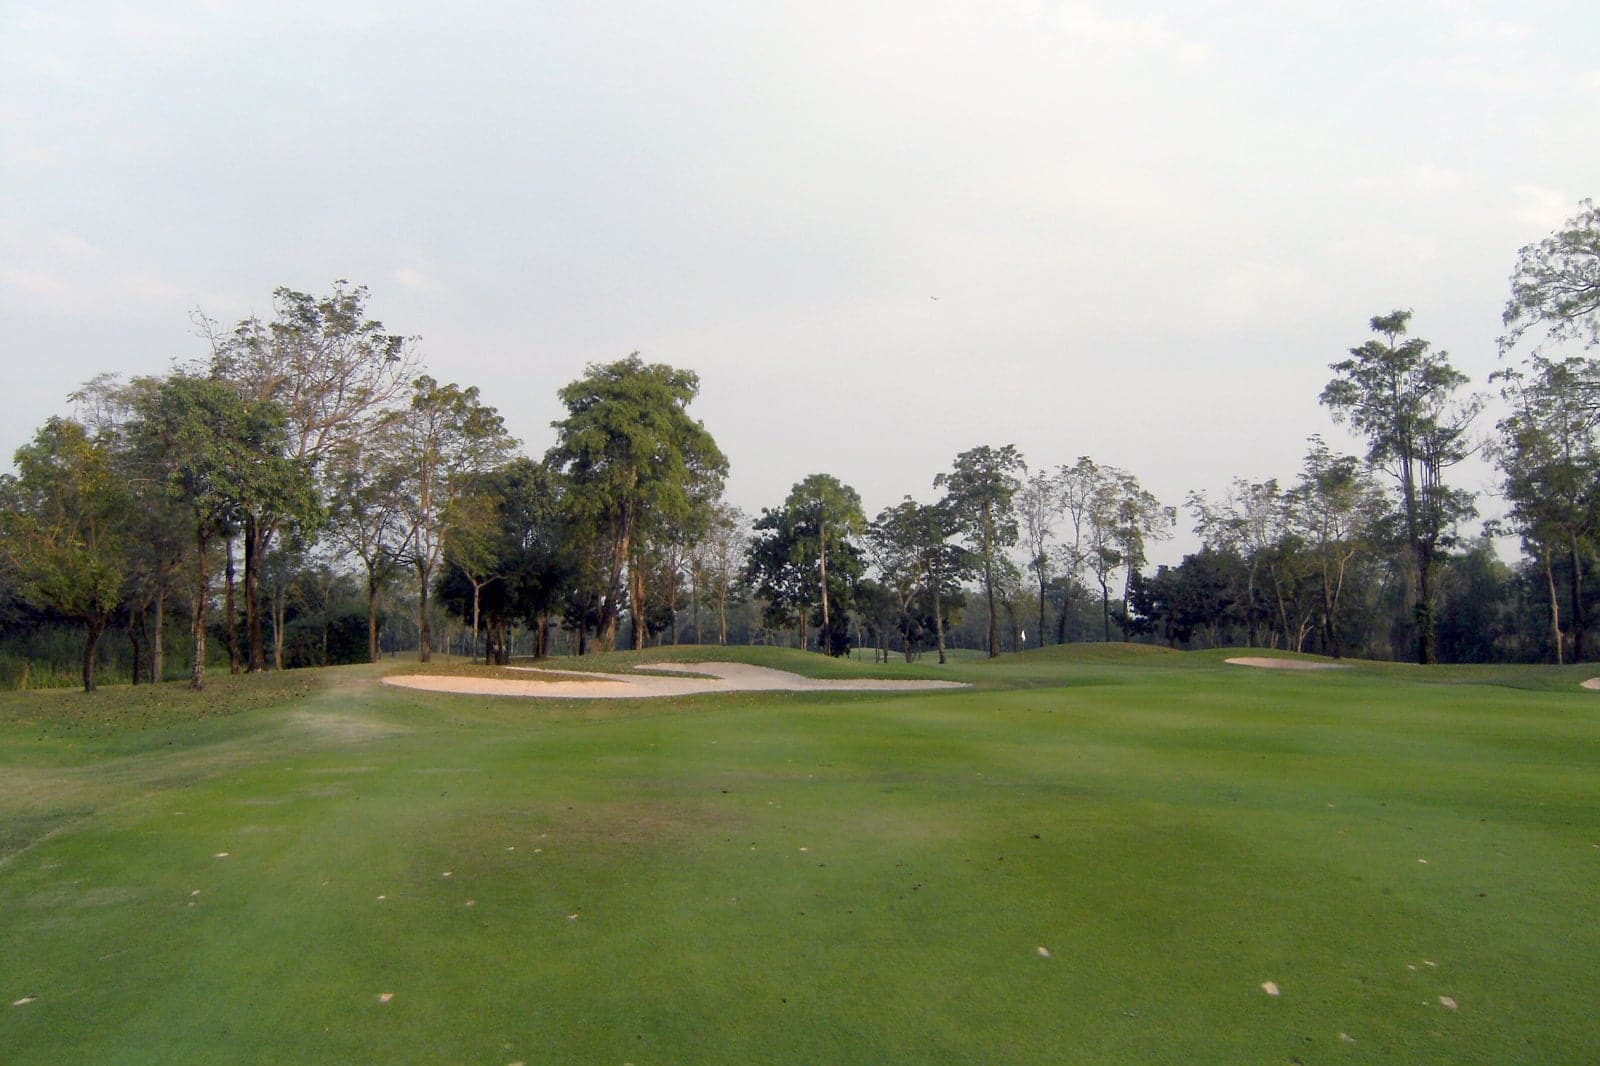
(913, 544)
(979, 489)
(825, 515)
(1403, 397)
(367, 516)
(631, 454)
(219, 457)
(62, 529)
(447, 437)
(1555, 287)
(1335, 508)
(335, 373)
(1549, 455)
(1038, 505)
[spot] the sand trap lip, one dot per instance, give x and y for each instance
(1592, 683)
(721, 677)
(1264, 663)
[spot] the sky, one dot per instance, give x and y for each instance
(881, 233)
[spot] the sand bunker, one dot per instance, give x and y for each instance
(719, 677)
(1266, 663)
(1593, 682)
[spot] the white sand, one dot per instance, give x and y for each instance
(1593, 682)
(1265, 663)
(722, 677)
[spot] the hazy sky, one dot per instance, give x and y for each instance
(881, 233)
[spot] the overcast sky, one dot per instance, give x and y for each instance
(882, 233)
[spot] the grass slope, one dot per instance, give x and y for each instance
(810, 877)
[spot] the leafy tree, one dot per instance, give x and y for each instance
(446, 438)
(913, 545)
(1038, 504)
(803, 558)
(825, 515)
(1335, 509)
(721, 553)
(367, 519)
(632, 455)
(1402, 397)
(218, 457)
(62, 521)
(335, 373)
(1556, 284)
(1550, 459)
(979, 490)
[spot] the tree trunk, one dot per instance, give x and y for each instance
(230, 631)
(938, 625)
(1576, 624)
(477, 593)
(91, 641)
(255, 544)
(158, 659)
(424, 627)
(822, 557)
(1041, 607)
(1555, 607)
(280, 613)
(1424, 608)
(135, 623)
(197, 673)
(372, 619)
(1105, 608)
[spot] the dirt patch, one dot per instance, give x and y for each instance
(700, 678)
(1264, 663)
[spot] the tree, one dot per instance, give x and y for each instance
(1401, 396)
(1079, 488)
(721, 553)
(631, 454)
(979, 490)
(367, 513)
(1335, 508)
(62, 521)
(446, 438)
(1038, 504)
(335, 374)
(1550, 458)
(824, 514)
(1555, 286)
(912, 544)
(219, 457)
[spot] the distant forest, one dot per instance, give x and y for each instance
(304, 493)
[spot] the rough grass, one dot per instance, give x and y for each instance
(811, 877)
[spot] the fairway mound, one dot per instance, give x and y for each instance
(706, 677)
(1265, 663)
(1592, 683)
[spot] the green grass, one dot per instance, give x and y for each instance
(810, 877)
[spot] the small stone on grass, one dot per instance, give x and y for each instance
(384, 997)
(1044, 952)
(1447, 1003)
(1270, 987)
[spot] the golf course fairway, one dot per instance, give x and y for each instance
(1097, 854)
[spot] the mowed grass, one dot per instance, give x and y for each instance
(1093, 855)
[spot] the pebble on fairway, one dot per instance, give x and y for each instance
(384, 997)
(1447, 1002)
(1044, 952)
(1269, 987)
(24, 1001)
(220, 855)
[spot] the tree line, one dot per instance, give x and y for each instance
(311, 452)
